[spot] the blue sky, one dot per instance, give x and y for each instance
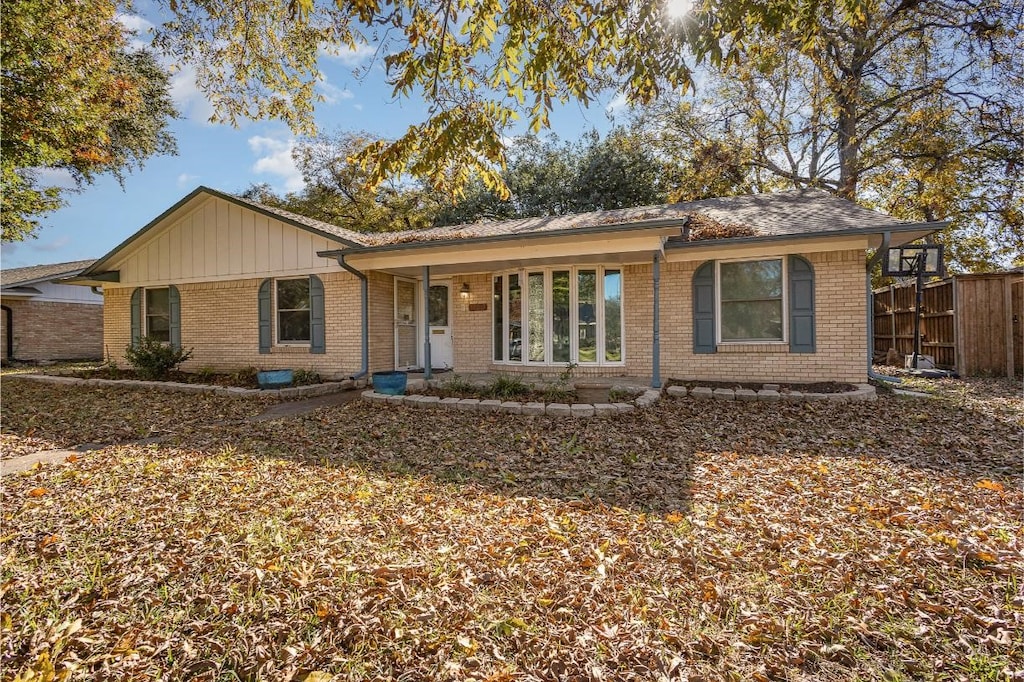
(230, 159)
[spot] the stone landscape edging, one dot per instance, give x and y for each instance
(862, 392)
(310, 391)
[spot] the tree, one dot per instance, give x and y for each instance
(912, 107)
(336, 189)
(480, 65)
(75, 98)
(546, 176)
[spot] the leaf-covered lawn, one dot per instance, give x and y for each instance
(39, 416)
(695, 540)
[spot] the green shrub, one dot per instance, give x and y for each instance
(558, 393)
(154, 359)
(458, 385)
(507, 387)
(306, 377)
(245, 377)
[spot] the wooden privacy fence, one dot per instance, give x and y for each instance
(970, 323)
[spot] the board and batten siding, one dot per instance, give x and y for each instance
(219, 240)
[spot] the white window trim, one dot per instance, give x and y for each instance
(785, 303)
(573, 270)
(276, 323)
(145, 311)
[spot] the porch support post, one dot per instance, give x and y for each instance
(426, 322)
(656, 344)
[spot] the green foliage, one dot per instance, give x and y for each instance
(911, 108)
(77, 99)
(245, 376)
(566, 374)
(306, 377)
(457, 384)
(558, 392)
(507, 387)
(154, 359)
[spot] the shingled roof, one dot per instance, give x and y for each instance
(795, 212)
(42, 273)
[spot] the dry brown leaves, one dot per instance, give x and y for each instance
(53, 416)
(695, 540)
(703, 226)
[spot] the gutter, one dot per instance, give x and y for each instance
(875, 260)
(365, 314)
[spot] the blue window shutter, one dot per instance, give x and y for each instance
(317, 343)
(801, 305)
(174, 313)
(136, 306)
(704, 308)
(266, 329)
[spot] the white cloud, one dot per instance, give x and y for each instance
(55, 245)
(332, 94)
(138, 27)
(186, 180)
(54, 177)
(618, 102)
(275, 158)
(357, 107)
(348, 56)
(191, 102)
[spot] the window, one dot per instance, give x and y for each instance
(158, 314)
(293, 318)
(561, 315)
(751, 301)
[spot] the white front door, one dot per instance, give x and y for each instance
(442, 354)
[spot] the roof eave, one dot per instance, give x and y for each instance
(923, 228)
(662, 224)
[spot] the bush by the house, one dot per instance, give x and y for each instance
(154, 359)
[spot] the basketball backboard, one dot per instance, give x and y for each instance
(904, 261)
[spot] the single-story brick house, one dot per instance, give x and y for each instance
(44, 319)
(765, 287)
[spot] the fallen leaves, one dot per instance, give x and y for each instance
(755, 542)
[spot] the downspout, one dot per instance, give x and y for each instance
(8, 331)
(656, 346)
(365, 313)
(427, 360)
(875, 259)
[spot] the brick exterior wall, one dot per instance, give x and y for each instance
(47, 330)
(220, 323)
(839, 321)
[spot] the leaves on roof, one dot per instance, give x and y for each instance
(703, 226)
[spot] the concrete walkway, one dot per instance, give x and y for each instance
(297, 408)
(25, 462)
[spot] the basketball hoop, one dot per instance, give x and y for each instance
(915, 260)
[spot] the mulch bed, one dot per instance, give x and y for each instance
(817, 387)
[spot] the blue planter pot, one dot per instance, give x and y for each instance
(275, 378)
(389, 383)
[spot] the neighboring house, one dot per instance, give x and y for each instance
(765, 287)
(43, 319)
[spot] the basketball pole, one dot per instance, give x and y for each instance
(919, 268)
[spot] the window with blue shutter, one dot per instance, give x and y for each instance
(801, 305)
(317, 325)
(265, 316)
(704, 308)
(174, 315)
(136, 308)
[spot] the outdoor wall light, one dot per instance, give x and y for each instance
(464, 291)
